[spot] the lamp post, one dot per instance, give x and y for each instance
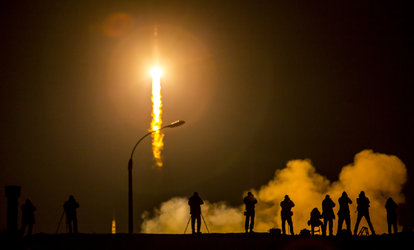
(130, 213)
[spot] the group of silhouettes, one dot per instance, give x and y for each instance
(195, 202)
(69, 208)
(363, 202)
(316, 217)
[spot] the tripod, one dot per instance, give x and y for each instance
(60, 221)
(363, 232)
(205, 224)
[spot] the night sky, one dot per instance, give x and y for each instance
(257, 83)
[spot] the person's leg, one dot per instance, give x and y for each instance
(369, 223)
(325, 222)
(198, 223)
(75, 225)
(290, 225)
(395, 226)
(283, 225)
(23, 229)
(69, 223)
(348, 223)
(330, 227)
(357, 223)
(340, 222)
(30, 229)
(246, 223)
(389, 224)
(252, 221)
(192, 224)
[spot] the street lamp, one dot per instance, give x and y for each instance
(130, 213)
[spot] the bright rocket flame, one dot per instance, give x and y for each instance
(157, 137)
(113, 227)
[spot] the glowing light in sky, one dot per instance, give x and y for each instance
(157, 137)
(113, 227)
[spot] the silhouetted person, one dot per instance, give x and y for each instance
(343, 213)
(195, 203)
(70, 207)
(391, 207)
(328, 214)
(315, 220)
(363, 211)
(286, 214)
(28, 217)
(249, 201)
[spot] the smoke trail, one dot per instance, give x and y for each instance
(379, 175)
(157, 137)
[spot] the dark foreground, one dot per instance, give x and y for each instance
(205, 241)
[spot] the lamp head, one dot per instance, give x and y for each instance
(175, 124)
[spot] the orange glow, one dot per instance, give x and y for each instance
(117, 24)
(156, 123)
(113, 226)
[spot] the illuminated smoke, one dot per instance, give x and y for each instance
(173, 215)
(379, 175)
(156, 123)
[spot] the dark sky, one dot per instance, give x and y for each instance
(258, 84)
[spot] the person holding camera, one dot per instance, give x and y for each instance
(195, 203)
(250, 202)
(287, 213)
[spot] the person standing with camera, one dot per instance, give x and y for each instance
(287, 213)
(195, 203)
(250, 202)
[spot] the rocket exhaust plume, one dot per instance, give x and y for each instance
(156, 123)
(113, 226)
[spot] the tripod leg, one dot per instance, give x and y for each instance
(60, 221)
(187, 224)
(208, 231)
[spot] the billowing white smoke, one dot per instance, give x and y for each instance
(379, 175)
(174, 214)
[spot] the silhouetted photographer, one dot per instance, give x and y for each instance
(328, 215)
(195, 203)
(363, 211)
(250, 202)
(343, 213)
(287, 213)
(391, 207)
(315, 220)
(28, 218)
(70, 207)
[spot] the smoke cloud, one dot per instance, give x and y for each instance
(379, 175)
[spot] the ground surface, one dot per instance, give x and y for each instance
(205, 241)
